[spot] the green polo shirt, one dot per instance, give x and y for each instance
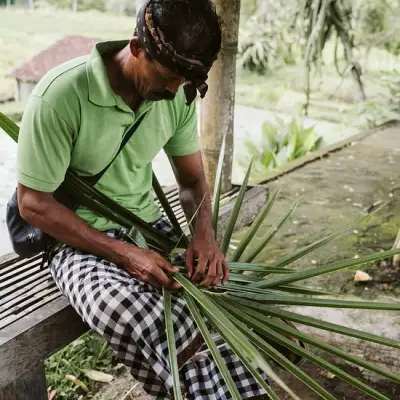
(73, 119)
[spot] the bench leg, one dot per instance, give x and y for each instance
(32, 386)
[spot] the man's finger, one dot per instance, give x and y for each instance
(162, 278)
(220, 274)
(226, 272)
(166, 266)
(153, 282)
(189, 261)
(200, 268)
(211, 274)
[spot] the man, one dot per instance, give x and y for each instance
(76, 118)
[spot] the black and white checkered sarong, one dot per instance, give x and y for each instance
(129, 315)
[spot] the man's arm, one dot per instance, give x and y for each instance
(195, 196)
(43, 211)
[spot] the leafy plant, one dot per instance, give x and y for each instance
(267, 39)
(89, 352)
(246, 311)
(281, 143)
(375, 112)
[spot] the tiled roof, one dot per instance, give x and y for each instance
(60, 52)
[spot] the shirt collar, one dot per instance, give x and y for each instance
(100, 91)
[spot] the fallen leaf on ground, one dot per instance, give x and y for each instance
(51, 394)
(98, 376)
(77, 382)
(361, 276)
(327, 374)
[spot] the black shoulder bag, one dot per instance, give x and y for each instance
(27, 240)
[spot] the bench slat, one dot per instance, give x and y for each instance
(19, 282)
(18, 269)
(18, 261)
(24, 293)
(51, 294)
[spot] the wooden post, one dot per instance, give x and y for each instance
(217, 109)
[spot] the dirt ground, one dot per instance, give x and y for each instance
(337, 190)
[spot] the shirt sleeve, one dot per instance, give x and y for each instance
(44, 147)
(185, 139)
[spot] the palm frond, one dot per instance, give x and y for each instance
(217, 187)
(235, 212)
(246, 311)
(173, 357)
(254, 227)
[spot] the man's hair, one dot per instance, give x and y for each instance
(192, 26)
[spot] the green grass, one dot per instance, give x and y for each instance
(90, 351)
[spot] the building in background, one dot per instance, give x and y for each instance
(28, 74)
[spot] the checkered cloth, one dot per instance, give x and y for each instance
(129, 315)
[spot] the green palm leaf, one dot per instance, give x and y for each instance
(275, 355)
(9, 127)
(286, 330)
(217, 187)
(263, 329)
(271, 233)
(325, 269)
(211, 345)
(241, 266)
(286, 260)
(245, 350)
(317, 323)
(309, 301)
(169, 211)
(235, 212)
(254, 227)
(173, 358)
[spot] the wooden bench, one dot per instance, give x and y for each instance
(36, 320)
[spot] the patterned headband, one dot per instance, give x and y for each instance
(192, 68)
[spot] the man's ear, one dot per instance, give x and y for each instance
(135, 47)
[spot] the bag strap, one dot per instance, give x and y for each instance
(92, 180)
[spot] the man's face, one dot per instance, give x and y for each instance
(153, 81)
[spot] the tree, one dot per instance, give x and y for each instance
(74, 5)
(217, 109)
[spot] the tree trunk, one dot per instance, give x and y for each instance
(8, 3)
(139, 5)
(343, 30)
(217, 109)
(74, 5)
(30, 4)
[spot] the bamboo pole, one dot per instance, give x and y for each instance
(217, 109)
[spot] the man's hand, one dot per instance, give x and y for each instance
(205, 249)
(149, 267)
